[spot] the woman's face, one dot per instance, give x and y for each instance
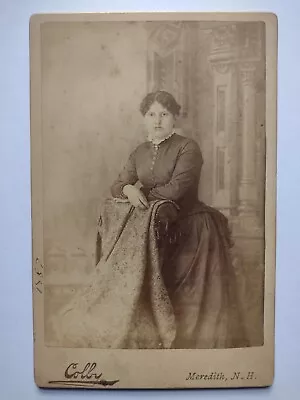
(159, 121)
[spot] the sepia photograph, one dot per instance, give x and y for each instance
(153, 165)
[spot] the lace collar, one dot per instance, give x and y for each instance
(158, 142)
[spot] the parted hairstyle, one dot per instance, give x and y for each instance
(162, 97)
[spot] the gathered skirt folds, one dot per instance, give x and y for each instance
(201, 282)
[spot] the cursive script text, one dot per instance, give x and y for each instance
(83, 376)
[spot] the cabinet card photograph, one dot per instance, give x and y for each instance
(153, 166)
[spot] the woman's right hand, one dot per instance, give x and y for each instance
(135, 196)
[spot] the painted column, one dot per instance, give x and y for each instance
(247, 186)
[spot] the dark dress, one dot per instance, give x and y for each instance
(195, 244)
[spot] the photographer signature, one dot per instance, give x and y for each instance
(86, 376)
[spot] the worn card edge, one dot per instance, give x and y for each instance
(271, 22)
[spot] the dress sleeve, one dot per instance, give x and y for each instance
(185, 175)
(128, 176)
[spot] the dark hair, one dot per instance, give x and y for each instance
(162, 97)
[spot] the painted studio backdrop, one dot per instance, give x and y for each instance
(94, 76)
